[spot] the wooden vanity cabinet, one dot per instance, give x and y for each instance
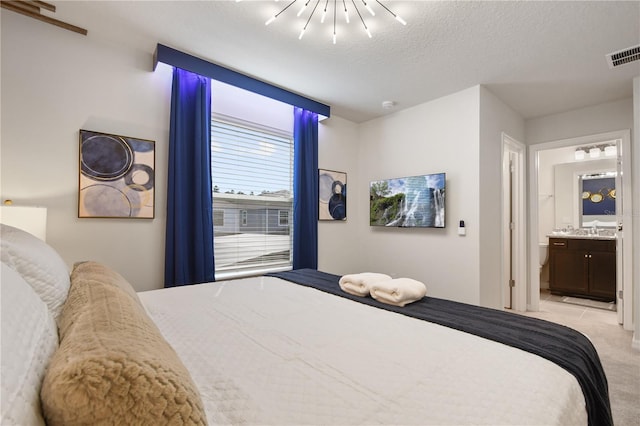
(583, 267)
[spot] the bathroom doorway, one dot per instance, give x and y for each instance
(551, 213)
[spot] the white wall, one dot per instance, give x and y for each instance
(461, 135)
(546, 187)
(592, 120)
(338, 244)
(438, 136)
(55, 82)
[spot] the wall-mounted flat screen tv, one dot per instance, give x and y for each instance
(408, 202)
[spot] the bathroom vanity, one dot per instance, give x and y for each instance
(583, 266)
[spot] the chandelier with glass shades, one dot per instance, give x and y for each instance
(347, 9)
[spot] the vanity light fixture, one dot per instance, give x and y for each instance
(344, 10)
(595, 151)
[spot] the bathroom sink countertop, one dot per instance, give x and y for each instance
(582, 236)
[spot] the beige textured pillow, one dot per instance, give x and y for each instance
(113, 366)
(95, 272)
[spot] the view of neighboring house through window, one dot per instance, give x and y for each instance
(252, 180)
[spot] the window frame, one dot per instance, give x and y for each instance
(288, 215)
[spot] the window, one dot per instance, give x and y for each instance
(252, 180)
(218, 218)
(283, 217)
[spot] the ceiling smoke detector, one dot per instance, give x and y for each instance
(388, 104)
(623, 56)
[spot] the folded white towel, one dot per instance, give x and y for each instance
(360, 284)
(398, 292)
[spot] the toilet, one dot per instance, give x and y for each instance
(543, 248)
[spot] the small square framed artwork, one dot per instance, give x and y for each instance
(332, 195)
(117, 176)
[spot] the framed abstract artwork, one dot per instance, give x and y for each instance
(117, 176)
(332, 194)
(598, 195)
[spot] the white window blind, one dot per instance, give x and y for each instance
(252, 179)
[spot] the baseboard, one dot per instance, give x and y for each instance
(635, 342)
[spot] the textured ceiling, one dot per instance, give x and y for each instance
(538, 57)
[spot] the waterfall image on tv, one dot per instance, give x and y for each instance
(408, 202)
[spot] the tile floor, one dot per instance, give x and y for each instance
(551, 305)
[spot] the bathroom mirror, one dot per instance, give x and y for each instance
(571, 181)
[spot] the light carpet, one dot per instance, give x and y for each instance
(620, 361)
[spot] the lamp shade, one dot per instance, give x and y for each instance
(30, 219)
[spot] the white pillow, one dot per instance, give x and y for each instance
(29, 340)
(38, 263)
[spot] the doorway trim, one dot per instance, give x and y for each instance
(516, 254)
(627, 215)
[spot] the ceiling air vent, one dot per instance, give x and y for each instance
(624, 56)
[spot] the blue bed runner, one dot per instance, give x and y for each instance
(562, 345)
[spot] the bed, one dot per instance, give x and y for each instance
(272, 350)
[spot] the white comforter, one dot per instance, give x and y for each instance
(266, 351)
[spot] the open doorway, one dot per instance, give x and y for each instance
(551, 212)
